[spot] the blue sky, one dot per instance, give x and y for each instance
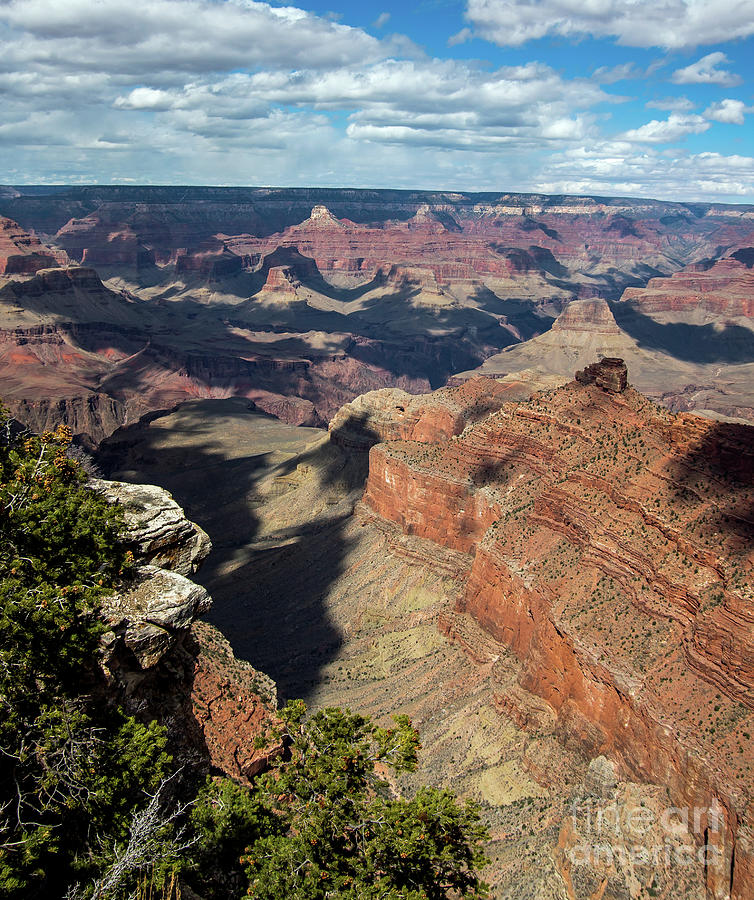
(616, 97)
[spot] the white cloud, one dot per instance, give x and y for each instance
(672, 104)
(673, 24)
(381, 20)
(465, 34)
(166, 37)
(614, 167)
(203, 91)
(145, 98)
(673, 128)
(703, 71)
(731, 112)
(416, 102)
(611, 74)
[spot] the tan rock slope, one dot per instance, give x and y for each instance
(611, 549)
(585, 636)
(682, 367)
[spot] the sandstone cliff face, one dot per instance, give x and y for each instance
(319, 296)
(716, 287)
(210, 265)
(591, 316)
(611, 550)
(166, 664)
(394, 414)
(22, 253)
(603, 245)
(687, 361)
(77, 352)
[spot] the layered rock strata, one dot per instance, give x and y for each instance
(715, 286)
(686, 361)
(393, 414)
(610, 545)
(22, 253)
(609, 373)
(74, 351)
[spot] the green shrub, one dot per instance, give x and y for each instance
(340, 833)
(72, 768)
(88, 805)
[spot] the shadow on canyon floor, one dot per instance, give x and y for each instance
(274, 554)
(732, 344)
(521, 319)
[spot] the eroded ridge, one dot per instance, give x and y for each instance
(611, 549)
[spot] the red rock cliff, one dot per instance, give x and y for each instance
(22, 253)
(612, 550)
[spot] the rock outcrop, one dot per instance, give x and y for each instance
(609, 373)
(393, 414)
(157, 530)
(592, 316)
(152, 615)
(24, 254)
(610, 549)
(321, 295)
(714, 287)
(210, 266)
(166, 664)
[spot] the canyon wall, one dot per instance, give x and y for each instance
(610, 544)
(300, 300)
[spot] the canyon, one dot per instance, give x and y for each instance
(609, 547)
(551, 576)
(116, 302)
(543, 584)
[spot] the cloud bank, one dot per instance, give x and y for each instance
(244, 92)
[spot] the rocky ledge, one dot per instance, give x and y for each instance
(157, 530)
(609, 373)
(162, 662)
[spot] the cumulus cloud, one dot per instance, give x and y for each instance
(240, 92)
(673, 128)
(614, 167)
(731, 112)
(175, 36)
(145, 98)
(673, 24)
(417, 102)
(704, 71)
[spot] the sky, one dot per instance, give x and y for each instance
(610, 97)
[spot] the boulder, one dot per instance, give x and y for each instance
(157, 530)
(153, 611)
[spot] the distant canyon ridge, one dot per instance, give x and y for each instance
(117, 302)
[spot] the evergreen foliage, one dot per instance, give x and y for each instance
(72, 770)
(90, 807)
(324, 824)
